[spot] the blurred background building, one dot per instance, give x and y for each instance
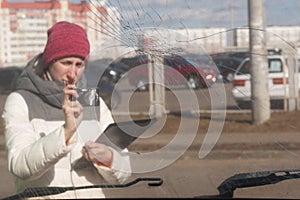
(24, 26)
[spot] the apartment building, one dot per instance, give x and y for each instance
(24, 25)
(207, 40)
(276, 37)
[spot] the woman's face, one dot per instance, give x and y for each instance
(68, 70)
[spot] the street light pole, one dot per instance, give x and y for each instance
(259, 64)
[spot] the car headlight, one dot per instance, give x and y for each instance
(112, 72)
(209, 76)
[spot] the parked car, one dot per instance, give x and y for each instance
(132, 62)
(206, 60)
(111, 72)
(119, 65)
(277, 79)
(178, 71)
(104, 77)
(227, 63)
(110, 95)
(117, 70)
(8, 77)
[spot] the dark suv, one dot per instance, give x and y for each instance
(8, 77)
(178, 71)
(228, 63)
(104, 75)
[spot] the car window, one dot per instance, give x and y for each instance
(168, 63)
(275, 65)
(245, 69)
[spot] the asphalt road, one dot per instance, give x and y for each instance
(190, 176)
(196, 178)
(217, 97)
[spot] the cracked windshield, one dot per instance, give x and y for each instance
(149, 99)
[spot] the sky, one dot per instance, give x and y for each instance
(201, 13)
(208, 13)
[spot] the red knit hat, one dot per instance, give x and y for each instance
(65, 40)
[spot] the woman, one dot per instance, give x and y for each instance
(42, 122)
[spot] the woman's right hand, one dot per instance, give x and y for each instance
(72, 109)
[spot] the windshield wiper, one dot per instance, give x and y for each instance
(226, 188)
(253, 179)
(46, 191)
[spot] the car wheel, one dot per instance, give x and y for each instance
(193, 82)
(142, 84)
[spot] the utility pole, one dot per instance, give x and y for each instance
(232, 38)
(156, 86)
(259, 63)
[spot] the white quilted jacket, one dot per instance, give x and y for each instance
(38, 155)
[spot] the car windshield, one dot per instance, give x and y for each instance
(245, 69)
(275, 66)
(170, 104)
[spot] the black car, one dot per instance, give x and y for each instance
(104, 77)
(106, 73)
(227, 64)
(123, 68)
(179, 72)
(8, 77)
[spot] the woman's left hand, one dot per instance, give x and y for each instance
(97, 153)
